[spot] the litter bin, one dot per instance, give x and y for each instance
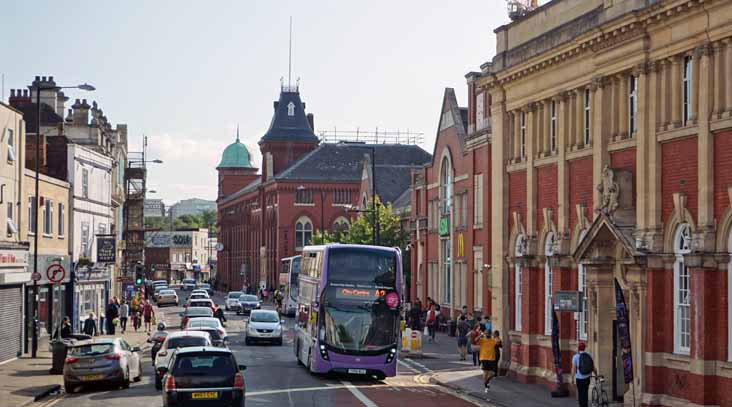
(451, 326)
(59, 348)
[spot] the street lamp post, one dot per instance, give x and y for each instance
(36, 204)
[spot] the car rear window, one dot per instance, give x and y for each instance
(91, 350)
(235, 294)
(248, 298)
(199, 312)
(167, 292)
(200, 304)
(217, 364)
(203, 323)
(187, 341)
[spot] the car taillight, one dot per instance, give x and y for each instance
(113, 356)
(239, 381)
(71, 359)
(169, 383)
(221, 332)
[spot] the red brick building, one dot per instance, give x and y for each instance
(608, 157)
(304, 186)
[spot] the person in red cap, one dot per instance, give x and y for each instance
(582, 369)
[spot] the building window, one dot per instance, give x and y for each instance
(32, 218)
(446, 271)
(341, 196)
(523, 135)
(303, 232)
(517, 289)
(478, 200)
(586, 121)
(480, 111)
(553, 129)
(548, 281)
(11, 145)
(478, 277)
(85, 183)
(581, 317)
(446, 186)
(303, 196)
(341, 225)
(682, 282)
(12, 229)
(632, 104)
(85, 243)
(47, 217)
(687, 89)
(290, 109)
(462, 210)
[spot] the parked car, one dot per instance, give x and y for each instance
(202, 375)
(213, 326)
(102, 361)
(207, 287)
(247, 303)
(173, 343)
(188, 284)
(194, 312)
(167, 297)
(232, 300)
(264, 325)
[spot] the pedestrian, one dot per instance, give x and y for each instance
(463, 329)
(148, 313)
(415, 316)
(487, 325)
(464, 311)
(582, 369)
(110, 313)
(472, 322)
(65, 329)
(487, 348)
(124, 313)
(499, 346)
(432, 323)
(90, 325)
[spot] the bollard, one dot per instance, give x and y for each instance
(406, 334)
(415, 343)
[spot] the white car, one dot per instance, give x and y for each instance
(167, 297)
(189, 284)
(232, 300)
(200, 291)
(174, 341)
(264, 325)
(213, 326)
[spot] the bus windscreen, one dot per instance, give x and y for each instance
(358, 266)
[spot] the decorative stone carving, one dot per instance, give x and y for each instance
(610, 192)
(679, 199)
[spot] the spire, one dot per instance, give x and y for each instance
(237, 132)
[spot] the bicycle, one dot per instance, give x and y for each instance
(599, 394)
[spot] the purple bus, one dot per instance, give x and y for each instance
(348, 309)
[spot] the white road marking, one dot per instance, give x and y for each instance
(360, 396)
(278, 391)
(411, 369)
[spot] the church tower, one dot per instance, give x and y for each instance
(235, 169)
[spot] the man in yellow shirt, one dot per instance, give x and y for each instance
(487, 354)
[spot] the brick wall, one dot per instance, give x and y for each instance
(679, 174)
(580, 188)
(516, 196)
(546, 193)
(625, 160)
(722, 172)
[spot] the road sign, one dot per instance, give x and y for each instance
(36, 276)
(55, 273)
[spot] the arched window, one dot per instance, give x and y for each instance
(581, 317)
(548, 278)
(303, 232)
(519, 251)
(341, 225)
(446, 186)
(682, 289)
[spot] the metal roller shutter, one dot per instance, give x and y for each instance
(11, 315)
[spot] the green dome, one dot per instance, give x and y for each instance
(235, 155)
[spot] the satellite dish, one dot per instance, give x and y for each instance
(219, 247)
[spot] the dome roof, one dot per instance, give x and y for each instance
(236, 155)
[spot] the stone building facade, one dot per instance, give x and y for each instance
(607, 156)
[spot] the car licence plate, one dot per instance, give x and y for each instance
(92, 377)
(205, 395)
(357, 371)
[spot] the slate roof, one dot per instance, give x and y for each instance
(404, 200)
(49, 117)
(289, 128)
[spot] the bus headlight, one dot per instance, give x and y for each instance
(391, 355)
(324, 352)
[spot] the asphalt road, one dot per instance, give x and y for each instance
(273, 378)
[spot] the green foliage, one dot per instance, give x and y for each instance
(361, 230)
(206, 219)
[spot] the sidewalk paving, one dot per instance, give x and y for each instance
(26, 380)
(467, 379)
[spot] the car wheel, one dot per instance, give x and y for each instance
(279, 342)
(248, 341)
(69, 388)
(126, 380)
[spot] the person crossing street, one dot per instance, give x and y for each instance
(486, 344)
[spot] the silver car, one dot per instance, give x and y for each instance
(102, 360)
(167, 297)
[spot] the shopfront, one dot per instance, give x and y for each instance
(13, 276)
(52, 298)
(91, 292)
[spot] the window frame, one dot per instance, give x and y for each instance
(11, 145)
(517, 285)
(478, 200)
(682, 292)
(47, 217)
(31, 212)
(303, 232)
(11, 227)
(632, 105)
(522, 136)
(446, 187)
(446, 269)
(85, 183)
(686, 89)
(581, 317)
(477, 277)
(587, 118)
(553, 127)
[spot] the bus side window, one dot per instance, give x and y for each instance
(318, 262)
(303, 316)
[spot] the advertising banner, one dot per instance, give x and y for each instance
(621, 311)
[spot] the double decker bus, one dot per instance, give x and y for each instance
(348, 309)
(289, 272)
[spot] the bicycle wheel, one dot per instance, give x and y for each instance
(595, 401)
(603, 399)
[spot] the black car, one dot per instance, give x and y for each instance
(204, 375)
(247, 303)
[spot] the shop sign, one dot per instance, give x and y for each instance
(444, 227)
(106, 249)
(168, 239)
(568, 301)
(13, 258)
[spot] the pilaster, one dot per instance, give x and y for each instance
(579, 98)
(695, 84)
(531, 145)
(676, 85)
(662, 98)
(718, 80)
(643, 139)
(728, 77)
(600, 154)
(623, 117)
(564, 124)
(516, 136)
(705, 142)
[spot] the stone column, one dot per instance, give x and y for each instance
(540, 129)
(705, 143)
(564, 123)
(516, 136)
(644, 101)
(531, 171)
(612, 90)
(600, 314)
(658, 100)
(600, 137)
(676, 88)
(623, 106)
(718, 82)
(695, 85)
(579, 118)
(728, 77)
(664, 93)
(637, 302)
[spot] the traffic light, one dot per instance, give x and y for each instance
(139, 279)
(152, 268)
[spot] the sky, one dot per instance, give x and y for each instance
(186, 73)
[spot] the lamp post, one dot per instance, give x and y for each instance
(36, 203)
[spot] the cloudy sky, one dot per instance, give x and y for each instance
(184, 73)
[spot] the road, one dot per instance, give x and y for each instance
(273, 378)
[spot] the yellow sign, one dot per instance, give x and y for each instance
(461, 245)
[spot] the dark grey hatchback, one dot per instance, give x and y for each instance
(205, 376)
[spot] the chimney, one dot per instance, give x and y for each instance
(311, 120)
(80, 115)
(61, 100)
(48, 96)
(18, 97)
